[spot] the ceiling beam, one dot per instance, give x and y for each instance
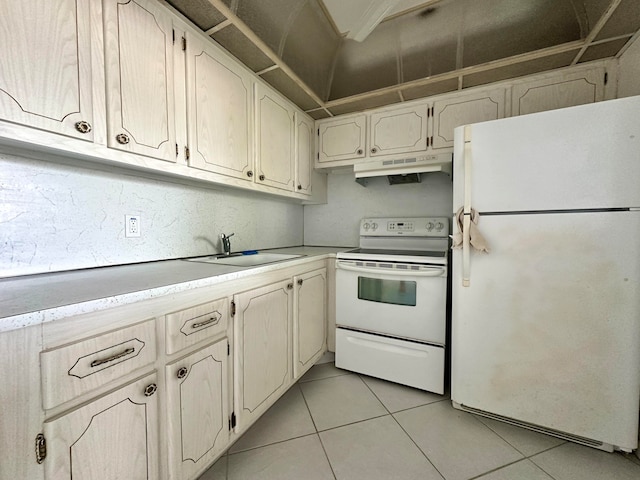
(264, 48)
(596, 29)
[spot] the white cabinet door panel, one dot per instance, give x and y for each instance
(310, 319)
(397, 131)
(342, 139)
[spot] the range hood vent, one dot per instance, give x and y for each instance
(403, 170)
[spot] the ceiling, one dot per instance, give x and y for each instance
(336, 56)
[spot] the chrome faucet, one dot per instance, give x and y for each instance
(226, 243)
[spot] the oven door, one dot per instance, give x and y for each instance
(400, 300)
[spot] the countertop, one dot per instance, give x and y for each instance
(34, 299)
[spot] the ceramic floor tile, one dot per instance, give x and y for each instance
(523, 470)
(323, 370)
(337, 401)
(525, 441)
(218, 471)
(458, 445)
(376, 449)
(288, 418)
(576, 462)
(399, 397)
(300, 458)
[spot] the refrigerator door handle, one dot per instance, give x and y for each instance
(466, 221)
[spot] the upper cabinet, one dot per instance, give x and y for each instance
(559, 90)
(46, 82)
(139, 78)
(398, 130)
(218, 111)
(304, 153)
(452, 111)
(274, 139)
(341, 139)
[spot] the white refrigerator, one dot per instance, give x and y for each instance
(546, 326)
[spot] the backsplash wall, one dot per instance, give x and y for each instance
(337, 223)
(56, 217)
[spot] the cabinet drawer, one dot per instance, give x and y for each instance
(80, 367)
(190, 326)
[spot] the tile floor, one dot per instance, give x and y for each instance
(335, 424)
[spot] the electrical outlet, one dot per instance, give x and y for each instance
(132, 226)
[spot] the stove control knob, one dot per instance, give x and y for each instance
(439, 226)
(366, 226)
(429, 226)
(374, 226)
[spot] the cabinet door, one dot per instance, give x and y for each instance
(263, 348)
(304, 153)
(454, 111)
(197, 409)
(558, 91)
(219, 107)
(310, 319)
(115, 436)
(342, 139)
(139, 78)
(45, 46)
(397, 131)
(275, 148)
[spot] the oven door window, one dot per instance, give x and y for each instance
(395, 292)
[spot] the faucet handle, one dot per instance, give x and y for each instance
(223, 236)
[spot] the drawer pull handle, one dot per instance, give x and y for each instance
(206, 322)
(124, 353)
(150, 389)
(122, 138)
(83, 127)
(182, 372)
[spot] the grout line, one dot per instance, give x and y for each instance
(272, 443)
(326, 456)
(307, 405)
(501, 467)
(418, 446)
(374, 394)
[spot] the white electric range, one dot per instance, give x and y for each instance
(391, 296)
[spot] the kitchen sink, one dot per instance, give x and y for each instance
(253, 260)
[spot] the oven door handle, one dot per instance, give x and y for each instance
(432, 272)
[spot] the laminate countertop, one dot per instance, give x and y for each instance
(33, 299)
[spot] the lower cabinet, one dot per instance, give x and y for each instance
(197, 407)
(105, 392)
(310, 319)
(263, 348)
(114, 436)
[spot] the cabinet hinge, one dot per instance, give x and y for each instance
(432, 114)
(184, 43)
(228, 349)
(233, 308)
(187, 154)
(173, 36)
(41, 448)
(428, 112)
(606, 77)
(177, 150)
(233, 420)
(318, 155)
(318, 132)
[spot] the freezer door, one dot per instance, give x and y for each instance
(548, 332)
(574, 158)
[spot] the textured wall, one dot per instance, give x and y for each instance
(337, 222)
(57, 217)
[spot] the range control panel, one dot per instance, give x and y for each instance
(405, 226)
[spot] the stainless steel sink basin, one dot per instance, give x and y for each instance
(247, 260)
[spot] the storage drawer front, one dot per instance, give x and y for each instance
(190, 326)
(408, 363)
(78, 368)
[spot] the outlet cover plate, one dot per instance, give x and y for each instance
(132, 226)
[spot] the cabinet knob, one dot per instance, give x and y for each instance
(299, 187)
(249, 174)
(290, 286)
(300, 281)
(261, 177)
(83, 127)
(374, 150)
(122, 138)
(182, 372)
(150, 389)
(359, 151)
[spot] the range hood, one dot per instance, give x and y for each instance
(403, 170)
